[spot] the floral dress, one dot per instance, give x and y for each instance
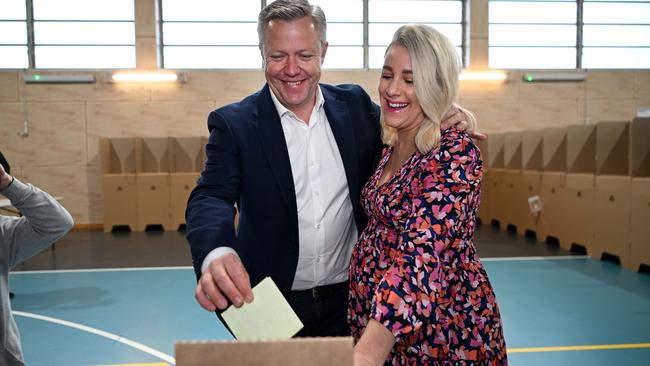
(415, 269)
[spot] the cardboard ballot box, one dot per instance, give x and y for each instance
(293, 352)
(153, 182)
(186, 163)
(117, 156)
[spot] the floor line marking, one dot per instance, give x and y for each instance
(126, 269)
(85, 270)
(154, 352)
(579, 348)
(559, 257)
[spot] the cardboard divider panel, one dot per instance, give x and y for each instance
(612, 148)
(118, 164)
(639, 223)
(187, 161)
(612, 218)
(554, 220)
(153, 182)
(579, 208)
(640, 147)
(581, 149)
(554, 149)
(532, 149)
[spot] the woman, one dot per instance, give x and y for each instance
(419, 294)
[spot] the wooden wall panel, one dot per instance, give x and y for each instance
(552, 90)
(223, 85)
(494, 116)
(101, 90)
(69, 182)
(538, 113)
(611, 85)
(56, 133)
(474, 89)
(8, 86)
(143, 119)
(642, 83)
(613, 109)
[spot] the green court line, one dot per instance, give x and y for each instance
(579, 348)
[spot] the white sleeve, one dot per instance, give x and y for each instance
(214, 254)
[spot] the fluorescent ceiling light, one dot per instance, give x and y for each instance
(483, 75)
(573, 76)
(59, 79)
(147, 77)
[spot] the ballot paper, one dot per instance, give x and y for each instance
(269, 316)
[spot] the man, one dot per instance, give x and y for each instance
(293, 157)
(43, 221)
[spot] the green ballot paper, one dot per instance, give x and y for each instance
(269, 316)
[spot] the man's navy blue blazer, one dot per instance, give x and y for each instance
(248, 164)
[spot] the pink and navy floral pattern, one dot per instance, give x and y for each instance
(415, 269)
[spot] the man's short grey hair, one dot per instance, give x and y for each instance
(289, 10)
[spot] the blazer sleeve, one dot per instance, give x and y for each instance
(407, 295)
(210, 209)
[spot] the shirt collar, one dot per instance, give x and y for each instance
(282, 110)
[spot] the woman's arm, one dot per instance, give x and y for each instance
(374, 346)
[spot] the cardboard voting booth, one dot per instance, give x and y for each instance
(531, 181)
(117, 156)
(553, 220)
(292, 352)
(580, 185)
(640, 193)
(514, 200)
(492, 188)
(186, 163)
(153, 182)
(613, 185)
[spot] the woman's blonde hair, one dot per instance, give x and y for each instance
(436, 67)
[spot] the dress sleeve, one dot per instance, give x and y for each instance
(406, 297)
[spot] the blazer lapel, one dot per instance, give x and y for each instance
(339, 119)
(269, 129)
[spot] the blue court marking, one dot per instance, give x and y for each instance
(544, 303)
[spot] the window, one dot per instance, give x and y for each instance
(385, 16)
(532, 34)
(84, 34)
(616, 34)
(13, 35)
(344, 33)
(198, 34)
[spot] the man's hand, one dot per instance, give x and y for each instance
(5, 179)
(456, 117)
(224, 280)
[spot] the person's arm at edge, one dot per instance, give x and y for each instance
(43, 222)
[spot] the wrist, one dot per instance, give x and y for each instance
(5, 181)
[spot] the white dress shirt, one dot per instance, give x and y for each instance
(326, 228)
